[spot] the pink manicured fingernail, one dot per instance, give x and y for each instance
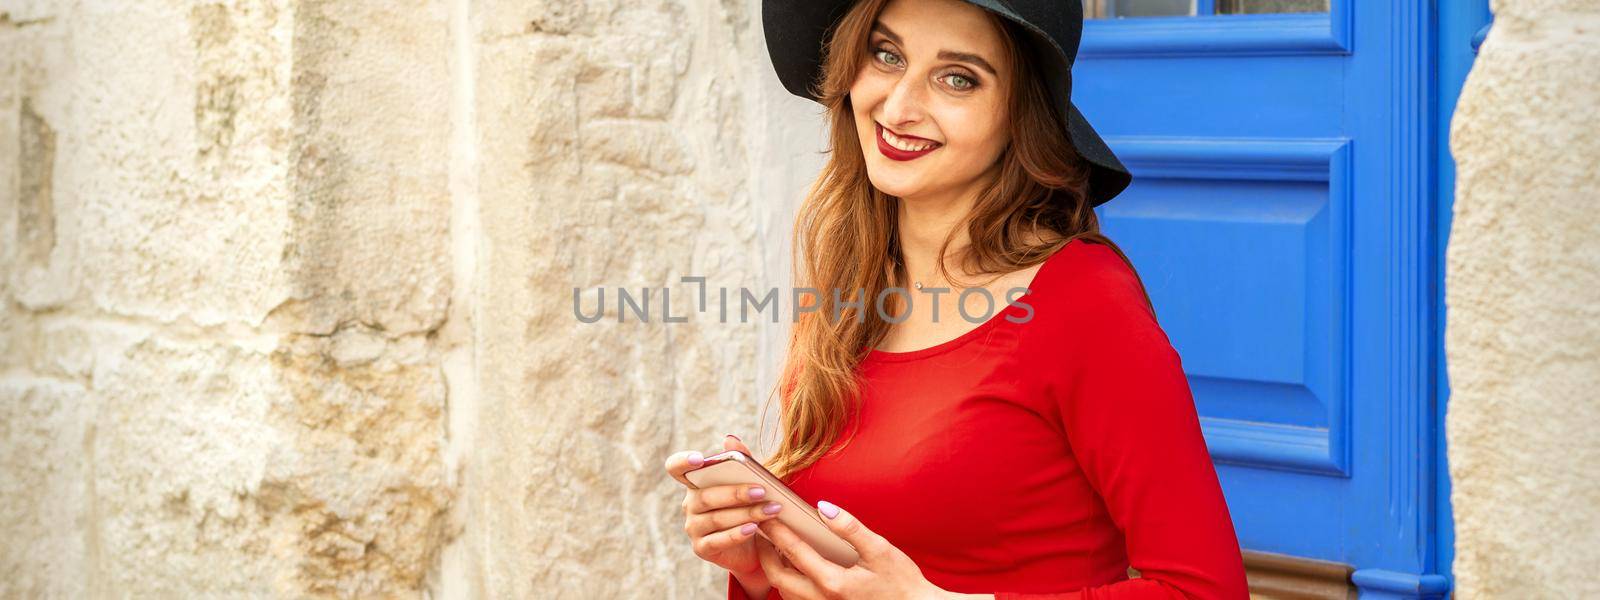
(748, 528)
(696, 458)
(772, 508)
(828, 509)
(758, 493)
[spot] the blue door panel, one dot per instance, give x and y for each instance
(1263, 345)
(1273, 98)
(1244, 247)
(1248, 325)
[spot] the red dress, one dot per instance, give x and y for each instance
(1039, 460)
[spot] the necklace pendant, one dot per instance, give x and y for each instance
(918, 284)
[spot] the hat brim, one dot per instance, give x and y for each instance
(795, 31)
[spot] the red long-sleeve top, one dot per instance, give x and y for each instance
(1038, 460)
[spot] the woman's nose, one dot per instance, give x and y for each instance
(904, 104)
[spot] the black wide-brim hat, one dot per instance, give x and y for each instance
(795, 31)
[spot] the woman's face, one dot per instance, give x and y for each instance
(936, 74)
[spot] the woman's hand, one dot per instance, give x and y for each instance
(721, 520)
(882, 572)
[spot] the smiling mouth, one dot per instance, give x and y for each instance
(897, 147)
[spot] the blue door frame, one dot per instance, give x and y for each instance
(1288, 215)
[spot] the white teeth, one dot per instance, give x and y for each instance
(904, 144)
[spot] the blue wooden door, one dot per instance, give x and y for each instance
(1284, 216)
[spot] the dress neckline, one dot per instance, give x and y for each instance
(971, 334)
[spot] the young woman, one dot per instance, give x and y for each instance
(1037, 452)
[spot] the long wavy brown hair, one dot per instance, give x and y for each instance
(846, 234)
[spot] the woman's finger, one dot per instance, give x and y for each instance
(682, 462)
(802, 555)
(724, 539)
(732, 442)
(724, 496)
(704, 523)
(790, 582)
(868, 544)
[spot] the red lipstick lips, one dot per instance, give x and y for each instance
(897, 154)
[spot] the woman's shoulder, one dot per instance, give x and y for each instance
(1090, 278)
(1092, 309)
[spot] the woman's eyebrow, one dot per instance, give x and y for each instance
(966, 57)
(879, 27)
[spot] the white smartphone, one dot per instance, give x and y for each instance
(735, 467)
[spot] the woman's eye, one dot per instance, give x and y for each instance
(960, 82)
(888, 58)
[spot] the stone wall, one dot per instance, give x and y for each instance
(1523, 325)
(288, 290)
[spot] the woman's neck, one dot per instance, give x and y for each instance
(924, 222)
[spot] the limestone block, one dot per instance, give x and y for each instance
(181, 451)
(172, 158)
(507, 18)
(46, 481)
(1523, 328)
(370, 205)
(367, 482)
(221, 469)
(37, 268)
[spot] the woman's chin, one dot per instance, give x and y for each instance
(898, 191)
(894, 185)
